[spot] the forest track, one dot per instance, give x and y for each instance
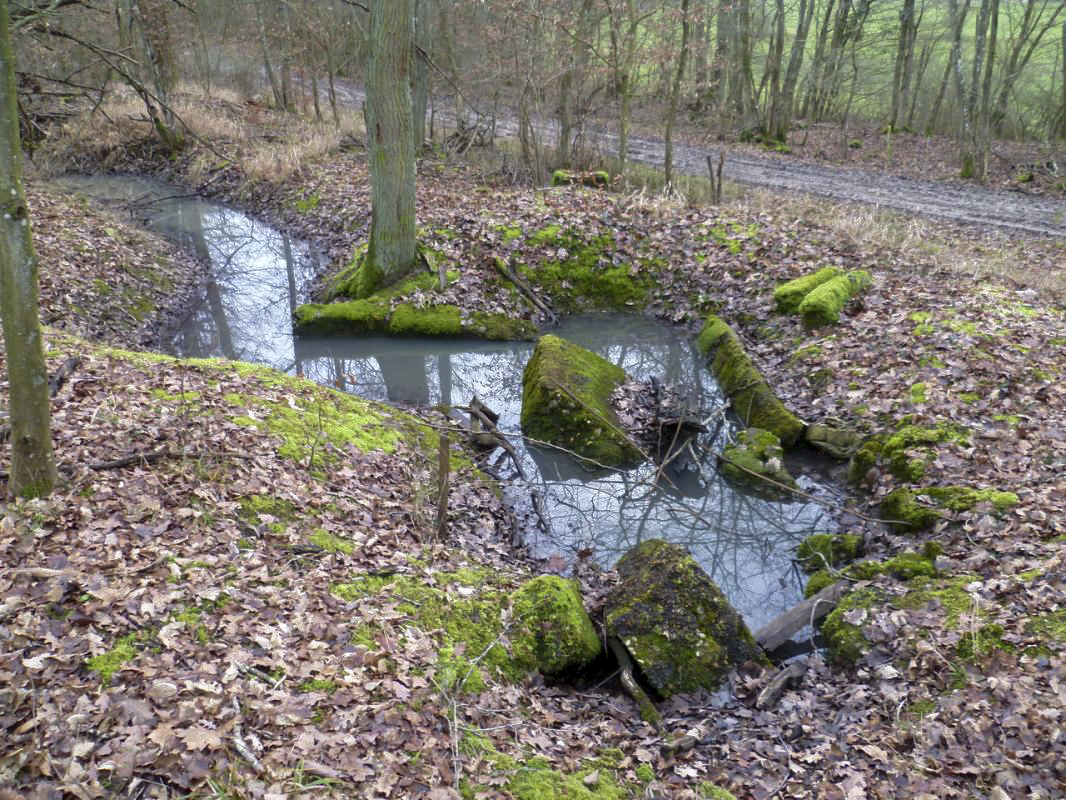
(1013, 211)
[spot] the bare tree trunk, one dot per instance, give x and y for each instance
(984, 113)
(275, 86)
(700, 30)
(818, 65)
(957, 21)
(33, 469)
(773, 69)
(1062, 124)
(903, 55)
(675, 93)
(162, 117)
(314, 93)
(392, 146)
(780, 126)
(420, 76)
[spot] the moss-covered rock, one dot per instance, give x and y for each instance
(757, 453)
(562, 177)
(753, 400)
(553, 631)
(822, 306)
(499, 327)
(409, 320)
(821, 550)
(788, 296)
(674, 620)
(919, 509)
(352, 318)
(837, 442)
(565, 391)
(842, 627)
(906, 451)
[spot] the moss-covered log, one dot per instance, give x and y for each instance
(674, 620)
(788, 296)
(822, 306)
(753, 400)
(565, 389)
(919, 509)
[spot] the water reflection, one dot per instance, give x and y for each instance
(743, 540)
(257, 275)
(257, 278)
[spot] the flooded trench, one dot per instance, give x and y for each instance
(258, 276)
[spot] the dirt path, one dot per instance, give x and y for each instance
(967, 205)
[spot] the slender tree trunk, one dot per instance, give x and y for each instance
(314, 93)
(331, 72)
(774, 68)
(934, 115)
(723, 40)
(780, 128)
(818, 64)
(957, 21)
(391, 135)
(1062, 124)
(903, 50)
(33, 469)
(675, 93)
(420, 83)
(984, 114)
(700, 30)
(275, 86)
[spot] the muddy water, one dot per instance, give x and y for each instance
(258, 276)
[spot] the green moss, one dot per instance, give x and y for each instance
(905, 452)
(923, 326)
(408, 320)
(107, 664)
(753, 399)
(820, 550)
(305, 204)
(565, 391)
(902, 510)
(1050, 627)
(510, 232)
(499, 327)
(254, 506)
(645, 774)
(318, 685)
(759, 452)
(845, 641)
(331, 543)
(352, 318)
(788, 296)
(918, 393)
(969, 398)
(822, 306)
(535, 779)
(555, 633)
(560, 178)
(818, 581)
(921, 708)
(463, 609)
(549, 234)
(712, 792)
(961, 498)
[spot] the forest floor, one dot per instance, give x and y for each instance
(176, 624)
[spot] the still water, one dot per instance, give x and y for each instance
(258, 276)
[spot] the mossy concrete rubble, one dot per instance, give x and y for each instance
(840, 443)
(788, 296)
(822, 306)
(757, 454)
(905, 566)
(675, 621)
(905, 451)
(753, 400)
(553, 632)
(565, 392)
(919, 509)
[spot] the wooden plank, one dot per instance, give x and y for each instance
(776, 633)
(788, 677)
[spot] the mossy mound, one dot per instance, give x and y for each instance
(822, 306)
(845, 641)
(579, 274)
(822, 550)
(757, 453)
(409, 320)
(562, 177)
(565, 389)
(464, 610)
(788, 296)
(905, 452)
(555, 633)
(674, 620)
(904, 567)
(753, 400)
(919, 509)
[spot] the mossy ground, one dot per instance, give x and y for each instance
(919, 509)
(549, 629)
(906, 451)
(565, 391)
(822, 550)
(753, 400)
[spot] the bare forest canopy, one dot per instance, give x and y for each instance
(980, 70)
